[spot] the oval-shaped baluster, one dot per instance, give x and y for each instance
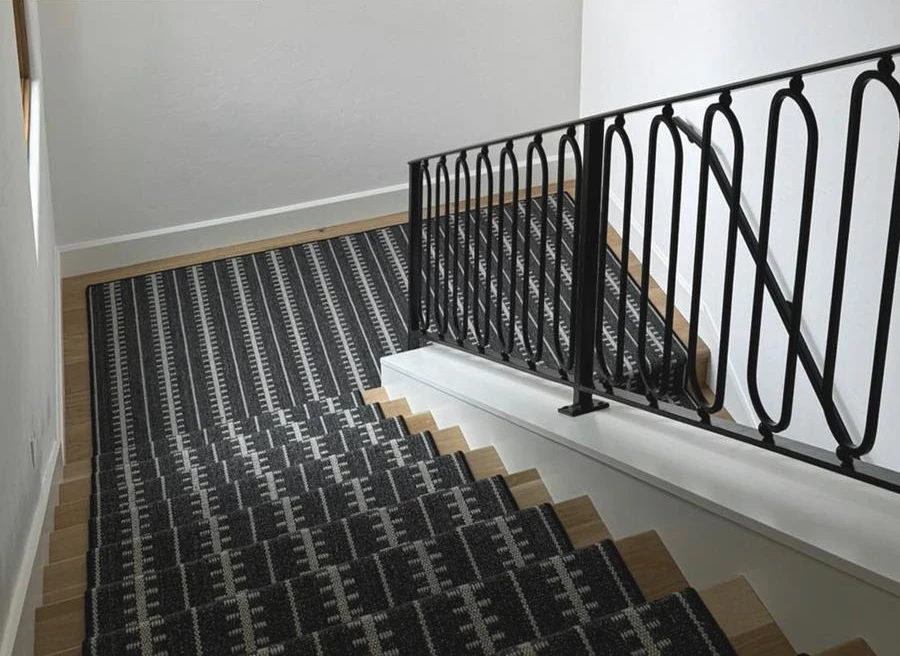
(846, 446)
(723, 107)
(768, 426)
(508, 157)
(655, 388)
(442, 262)
(483, 168)
(461, 289)
(534, 353)
(565, 359)
(615, 376)
(426, 265)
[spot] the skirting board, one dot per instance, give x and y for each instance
(124, 250)
(818, 548)
(135, 248)
(27, 593)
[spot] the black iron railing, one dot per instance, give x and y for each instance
(523, 271)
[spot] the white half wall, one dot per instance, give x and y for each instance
(31, 339)
(819, 549)
(163, 115)
(648, 49)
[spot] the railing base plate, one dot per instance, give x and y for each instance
(577, 409)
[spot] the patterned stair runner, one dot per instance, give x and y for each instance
(246, 499)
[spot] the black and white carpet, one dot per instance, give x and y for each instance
(246, 500)
(181, 350)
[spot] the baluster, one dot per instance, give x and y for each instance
(846, 448)
(614, 377)
(442, 273)
(508, 156)
(415, 254)
(534, 354)
(565, 359)
(483, 167)
(654, 389)
(768, 426)
(461, 327)
(426, 267)
(723, 107)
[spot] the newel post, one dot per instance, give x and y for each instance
(415, 255)
(586, 273)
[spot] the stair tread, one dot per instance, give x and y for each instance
(588, 581)
(137, 450)
(467, 551)
(380, 489)
(251, 492)
(258, 333)
(678, 624)
(246, 485)
(604, 586)
(312, 472)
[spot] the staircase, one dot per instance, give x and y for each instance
(352, 525)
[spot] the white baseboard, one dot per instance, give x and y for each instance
(38, 533)
(124, 250)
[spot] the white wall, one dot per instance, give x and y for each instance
(29, 339)
(162, 114)
(647, 49)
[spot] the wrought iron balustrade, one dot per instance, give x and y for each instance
(511, 258)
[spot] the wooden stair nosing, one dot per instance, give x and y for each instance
(528, 488)
(855, 647)
(71, 514)
(77, 469)
(419, 422)
(60, 633)
(582, 521)
(74, 489)
(63, 594)
(652, 566)
(745, 620)
(395, 408)
(375, 395)
(485, 463)
(66, 574)
(450, 440)
(68, 542)
(74, 651)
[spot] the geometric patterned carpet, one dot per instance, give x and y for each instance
(180, 350)
(357, 539)
(245, 499)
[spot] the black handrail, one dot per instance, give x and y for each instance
(840, 62)
(550, 286)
